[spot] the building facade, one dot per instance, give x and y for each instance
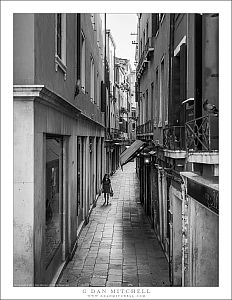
(132, 112)
(59, 129)
(177, 71)
(113, 145)
(123, 92)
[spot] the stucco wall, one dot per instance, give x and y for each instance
(23, 48)
(204, 245)
(45, 55)
(23, 194)
(176, 237)
(34, 56)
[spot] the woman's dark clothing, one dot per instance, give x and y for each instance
(106, 186)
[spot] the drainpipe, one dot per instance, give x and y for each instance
(184, 249)
(171, 46)
(160, 203)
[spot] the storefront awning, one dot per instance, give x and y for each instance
(131, 152)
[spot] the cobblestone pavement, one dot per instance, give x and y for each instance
(118, 247)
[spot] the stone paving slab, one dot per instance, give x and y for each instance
(118, 247)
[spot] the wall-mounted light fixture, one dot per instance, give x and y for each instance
(146, 160)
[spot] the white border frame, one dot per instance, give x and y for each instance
(224, 10)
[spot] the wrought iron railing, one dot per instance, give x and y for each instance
(149, 126)
(201, 134)
(145, 128)
(115, 133)
(140, 129)
(174, 138)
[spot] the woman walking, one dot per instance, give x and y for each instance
(106, 188)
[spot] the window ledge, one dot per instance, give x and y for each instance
(59, 63)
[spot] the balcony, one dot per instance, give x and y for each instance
(198, 135)
(115, 133)
(201, 134)
(145, 57)
(145, 129)
(174, 142)
(123, 125)
(174, 138)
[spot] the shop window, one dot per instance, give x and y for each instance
(80, 174)
(54, 183)
(96, 164)
(91, 168)
(60, 43)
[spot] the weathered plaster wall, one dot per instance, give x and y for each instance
(23, 48)
(176, 207)
(45, 71)
(161, 46)
(204, 245)
(23, 194)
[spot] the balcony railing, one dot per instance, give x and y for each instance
(146, 128)
(201, 134)
(115, 133)
(174, 138)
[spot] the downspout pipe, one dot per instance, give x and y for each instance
(184, 226)
(171, 50)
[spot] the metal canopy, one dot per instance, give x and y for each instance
(130, 152)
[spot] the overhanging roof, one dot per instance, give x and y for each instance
(130, 152)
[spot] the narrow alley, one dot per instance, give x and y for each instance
(134, 96)
(118, 246)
